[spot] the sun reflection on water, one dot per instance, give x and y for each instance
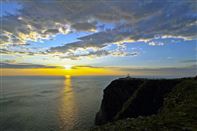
(68, 110)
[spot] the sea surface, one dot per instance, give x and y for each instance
(40, 103)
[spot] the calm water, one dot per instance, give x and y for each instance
(50, 103)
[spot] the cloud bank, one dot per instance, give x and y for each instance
(23, 65)
(133, 21)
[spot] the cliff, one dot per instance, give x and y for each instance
(148, 104)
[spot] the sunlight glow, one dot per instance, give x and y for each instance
(73, 71)
(68, 67)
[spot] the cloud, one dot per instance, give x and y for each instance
(189, 61)
(156, 43)
(86, 66)
(190, 70)
(134, 21)
(94, 52)
(9, 61)
(96, 41)
(160, 69)
(84, 27)
(184, 71)
(51, 31)
(23, 65)
(22, 52)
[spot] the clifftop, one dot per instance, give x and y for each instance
(143, 103)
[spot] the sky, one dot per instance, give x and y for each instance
(103, 37)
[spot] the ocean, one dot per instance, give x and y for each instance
(48, 103)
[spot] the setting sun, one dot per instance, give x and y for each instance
(67, 67)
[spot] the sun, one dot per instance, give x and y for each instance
(68, 67)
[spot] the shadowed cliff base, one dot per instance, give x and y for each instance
(148, 104)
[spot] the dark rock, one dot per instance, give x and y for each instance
(129, 97)
(114, 97)
(164, 105)
(148, 99)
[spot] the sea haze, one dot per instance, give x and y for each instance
(47, 103)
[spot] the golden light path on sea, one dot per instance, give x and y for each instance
(67, 107)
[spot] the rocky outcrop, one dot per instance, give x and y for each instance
(164, 105)
(132, 97)
(114, 97)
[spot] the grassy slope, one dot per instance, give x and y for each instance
(177, 113)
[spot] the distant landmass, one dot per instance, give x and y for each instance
(148, 104)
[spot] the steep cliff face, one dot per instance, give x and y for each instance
(147, 100)
(177, 110)
(130, 98)
(114, 97)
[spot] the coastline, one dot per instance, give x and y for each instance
(148, 104)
